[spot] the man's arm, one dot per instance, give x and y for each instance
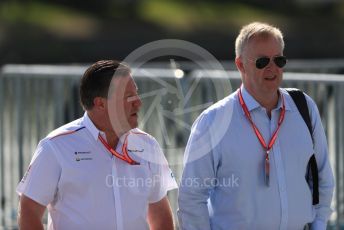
(326, 179)
(199, 167)
(30, 214)
(160, 215)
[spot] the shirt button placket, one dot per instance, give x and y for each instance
(281, 186)
(281, 181)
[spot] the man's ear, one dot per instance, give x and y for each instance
(239, 64)
(99, 103)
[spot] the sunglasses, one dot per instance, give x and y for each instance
(262, 62)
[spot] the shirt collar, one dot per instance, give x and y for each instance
(252, 104)
(90, 126)
(287, 98)
(93, 129)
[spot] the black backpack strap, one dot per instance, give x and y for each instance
(301, 104)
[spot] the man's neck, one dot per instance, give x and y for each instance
(111, 137)
(268, 101)
(269, 104)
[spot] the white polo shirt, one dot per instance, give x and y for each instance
(85, 187)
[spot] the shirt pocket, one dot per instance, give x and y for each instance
(136, 181)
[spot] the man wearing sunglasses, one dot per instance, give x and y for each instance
(258, 149)
(100, 171)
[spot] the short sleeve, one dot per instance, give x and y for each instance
(163, 177)
(41, 178)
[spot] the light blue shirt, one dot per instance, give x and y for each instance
(223, 184)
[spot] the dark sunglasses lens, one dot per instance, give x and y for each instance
(262, 62)
(280, 61)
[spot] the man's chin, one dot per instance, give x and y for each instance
(125, 126)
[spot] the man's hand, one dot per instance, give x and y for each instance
(160, 215)
(30, 214)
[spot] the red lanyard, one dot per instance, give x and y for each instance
(266, 147)
(125, 157)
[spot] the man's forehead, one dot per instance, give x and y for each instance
(255, 43)
(122, 79)
(124, 82)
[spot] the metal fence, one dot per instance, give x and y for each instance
(36, 99)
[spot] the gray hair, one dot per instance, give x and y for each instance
(255, 29)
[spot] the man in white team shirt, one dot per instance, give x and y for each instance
(100, 171)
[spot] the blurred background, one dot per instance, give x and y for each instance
(46, 45)
(82, 31)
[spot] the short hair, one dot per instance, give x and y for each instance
(97, 79)
(255, 29)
